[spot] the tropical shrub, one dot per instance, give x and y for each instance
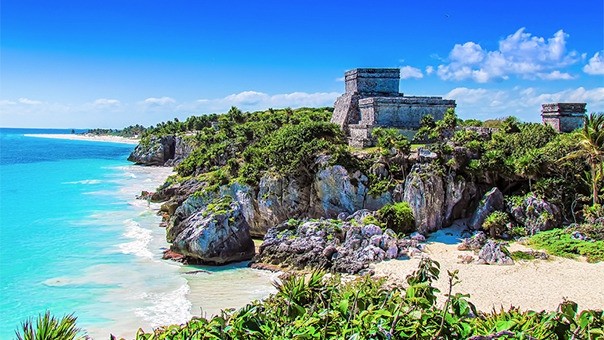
(397, 216)
(49, 327)
(496, 223)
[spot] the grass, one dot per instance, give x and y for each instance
(521, 255)
(559, 242)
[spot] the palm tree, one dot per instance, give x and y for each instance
(591, 147)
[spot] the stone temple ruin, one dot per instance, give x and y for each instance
(372, 99)
(564, 117)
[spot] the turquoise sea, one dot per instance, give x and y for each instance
(73, 239)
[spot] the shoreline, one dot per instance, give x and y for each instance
(529, 285)
(86, 137)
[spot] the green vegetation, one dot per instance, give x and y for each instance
(318, 307)
(591, 148)
(243, 145)
(130, 131)
(321, 307)
(398, 217)
(49, 327)
(521, 255)
(391, 139)
(496, 223)
(560, 242)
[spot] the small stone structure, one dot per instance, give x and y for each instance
(564, 117)
(372, 99)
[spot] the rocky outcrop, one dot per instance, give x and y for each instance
(436, 199)
(535, 214)
(494, 253)
(336, 190)
(491, 201)
(425, 193)
(216, 234)
(460, 196)
(341, 246)
(476, 242)
(161, 151)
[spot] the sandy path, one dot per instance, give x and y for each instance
(88, 137)
(537, 284)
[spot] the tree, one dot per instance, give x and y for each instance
(591, 147)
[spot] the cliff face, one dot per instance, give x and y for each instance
(436, 198)
(161, 151)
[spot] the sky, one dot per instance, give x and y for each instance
(113, 63)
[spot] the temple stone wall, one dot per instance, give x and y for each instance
(372, 99)
(373, 81)
(564, 117)
(401, 112)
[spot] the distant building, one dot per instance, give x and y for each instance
(372, 99)
(564, 117)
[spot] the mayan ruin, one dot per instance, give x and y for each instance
(372, 99)
(564, 117)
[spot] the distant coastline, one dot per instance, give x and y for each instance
(87, 137)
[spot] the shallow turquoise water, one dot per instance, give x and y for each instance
(74, 239)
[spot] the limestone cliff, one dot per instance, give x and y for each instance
(161, 151)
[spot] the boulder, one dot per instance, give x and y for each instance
(217, 234)
(535, 214)
(491, 201)
(494, 253)
(476, 242)
(425, 193)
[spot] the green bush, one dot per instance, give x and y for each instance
(398, 217)
(560, 243)
(496, 223)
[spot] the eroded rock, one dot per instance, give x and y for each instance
(491, 201)
(217, 234)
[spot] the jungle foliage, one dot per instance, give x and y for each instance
(322, 307)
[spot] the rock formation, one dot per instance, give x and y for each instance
(161, 151)
(342, 246)
(216, 234)
(492, 201)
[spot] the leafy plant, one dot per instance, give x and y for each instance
(496, 223)
(397, 216)
(49, 327)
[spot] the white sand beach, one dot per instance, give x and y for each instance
(88, 137)
(536, 284)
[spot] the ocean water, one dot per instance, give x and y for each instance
(73, 239)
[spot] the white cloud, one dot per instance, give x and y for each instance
(524, 103)
(429, 70)
(253, 100)
(555, 75)
(106, 102)
(411, 72)
(247, 98)
(28, 101)
(159, 101)
(595, 65)
(520, 54)
(340, 79)
(5, 102)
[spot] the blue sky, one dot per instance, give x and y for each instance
(114, 63)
